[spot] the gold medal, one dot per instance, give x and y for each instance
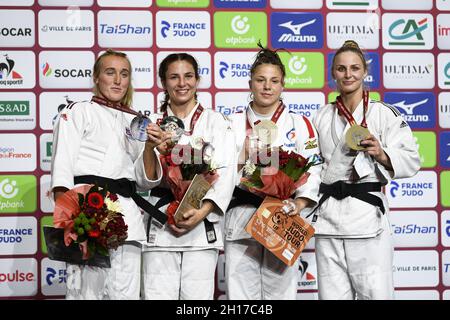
(267, 131)
(355, 134)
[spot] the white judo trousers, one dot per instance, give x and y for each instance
(254, 272)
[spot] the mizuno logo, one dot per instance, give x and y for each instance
(409, 108)
(296, 29)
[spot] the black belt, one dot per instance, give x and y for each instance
(241, 197)
(125, 188)
(165, 197)
(340, 190)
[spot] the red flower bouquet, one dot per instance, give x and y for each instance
(180, 166)
(264, 176)
(91, 218)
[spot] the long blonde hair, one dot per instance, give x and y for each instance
(128, 98)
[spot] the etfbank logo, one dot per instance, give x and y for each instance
(58, 3)
(443, 31)
(419, 191)
(408, 5)
(352, 5)
(182, 3)
(414, 228)
(416, 268)
(17, 28)
(304, 103)
(18, 277)
(232, 69)
(66, 69)
(53, 277)
(66, 28)
(203, 59)
(131, 29)
(231, 102)
(304, 70)
(307, 268)
(183, 29)
(296, 30)
(17, 193)
(416, 72)
(18, 152)
(53, 102)
(240, 29)
(17, 70)
(408, 31)
(417, 108)
(444, 70)
(361, 27)
(444, 148)
(18, 235)
(298, 4)
(371, 81)
(17, 110)
(426, 140)
(240, 4)
(444, 109)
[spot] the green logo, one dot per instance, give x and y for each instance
(372, 95)
(426, 141)
(445, 188)
(240, 29)
(17, 194)
(48, 148)
(304, 70)
(45, 221)
(182, 3)
(14, 108)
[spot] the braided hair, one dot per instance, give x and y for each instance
(267, 56)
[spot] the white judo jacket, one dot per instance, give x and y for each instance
(92, 139)
(351, 217)
(214, 128)
(295, 133)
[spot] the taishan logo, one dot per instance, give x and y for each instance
(403, 29)
(7, 74)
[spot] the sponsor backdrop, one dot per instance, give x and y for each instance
(48, 47)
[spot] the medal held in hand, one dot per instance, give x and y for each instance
(267, 131)
(138, 127)
(173, 124)
(356, 133)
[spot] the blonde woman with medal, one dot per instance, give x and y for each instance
(364, 144)
(93, 144)
(251, 271)
(179, 260)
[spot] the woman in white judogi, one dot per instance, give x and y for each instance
(179, 261)
(92, 139)
(354, 249)
(251, 271)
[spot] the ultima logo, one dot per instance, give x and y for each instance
(16, 276)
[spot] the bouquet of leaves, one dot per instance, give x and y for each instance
(91, 217)
(180, 165)
(275, 172)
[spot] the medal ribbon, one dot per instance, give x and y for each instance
(116, 106)
(274, 118)
(194, 119)
(348, 115)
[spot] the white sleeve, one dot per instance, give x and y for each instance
(143, 183)
(226, 160)
(308, 147)
(399, 144)
(68, 131)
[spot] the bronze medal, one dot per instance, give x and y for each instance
(267, 131)
(355, 134)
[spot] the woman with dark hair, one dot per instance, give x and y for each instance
(253, 272)
(180, 258)
(364, 144)
(92, 145)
